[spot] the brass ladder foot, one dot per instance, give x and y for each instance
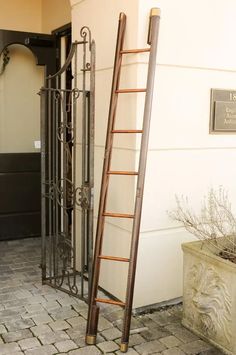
(124, 347)
(90, 339)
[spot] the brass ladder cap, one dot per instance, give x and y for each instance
(155, 11)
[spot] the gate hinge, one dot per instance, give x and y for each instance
(84, 197)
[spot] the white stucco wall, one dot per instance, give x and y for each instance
(195, 54)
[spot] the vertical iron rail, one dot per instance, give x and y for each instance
(43, 180)
(152, 40)
(93, 313)
(91, 165)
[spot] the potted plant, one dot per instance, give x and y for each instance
(209, 296)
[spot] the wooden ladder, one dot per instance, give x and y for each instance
(93, 313)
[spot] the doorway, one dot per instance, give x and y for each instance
(29, 57)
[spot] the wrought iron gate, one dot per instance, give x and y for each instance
(67, 156)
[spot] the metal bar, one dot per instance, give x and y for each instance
(84, 155)
(154, 25)
(43, 180)
(118, 215)
(127, 131)
(50, 182)
(74, 153)
(129, 91)
(135, 51)
(93, 312)
(114, 303)
(91, 121)
(113, 258)
(122, 172)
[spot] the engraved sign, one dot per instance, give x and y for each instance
(223, 111)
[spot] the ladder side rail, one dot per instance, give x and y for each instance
(93, 308)
(153, 36)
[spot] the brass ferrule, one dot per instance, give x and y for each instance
(124, 347)
(90, 339)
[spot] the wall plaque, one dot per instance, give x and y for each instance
(223, 111)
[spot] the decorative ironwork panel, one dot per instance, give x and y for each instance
(67, 139)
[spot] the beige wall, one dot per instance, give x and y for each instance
(20, 111)
(20, 104)
(20, 15)
(183, 157)
(55, 13)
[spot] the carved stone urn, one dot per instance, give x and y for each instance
(209, 297)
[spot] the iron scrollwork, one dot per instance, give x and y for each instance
(61, 117)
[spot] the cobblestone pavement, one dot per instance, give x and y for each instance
(39, 320)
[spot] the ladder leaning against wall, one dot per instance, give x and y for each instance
(93, 314)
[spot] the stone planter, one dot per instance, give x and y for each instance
(209, 298)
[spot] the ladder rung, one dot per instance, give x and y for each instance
(118, 215)
(122, 172)
(128, 51)
(126, 131)
(115, 303)
(113, 258)
(127, 91)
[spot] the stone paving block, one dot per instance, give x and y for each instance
(80, 306)
(173, 351)
(195, 347)
(53, 337)
(88, 350)
(108, 346)
(170, 341)
(17, 335)
(111, 334)
(42, 318)
(113, 316)
(22, 294)
(15, 303)
(75, 333)
(52, 306)
(63, 313)
(36, 299)
(104, 324)
(41, 329)
(77, 322)
(2, 329)
(34, 308)
(129, 352)
(29, 343)
(65, 345)
(9, 348)
(59, 325)
(211, 352)
(66, 301)
(19, 324)
(181, 333)
(136, 339)
(163, 318)
(154, 333)
(135, 324)
(150, 347)
(43, 350)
